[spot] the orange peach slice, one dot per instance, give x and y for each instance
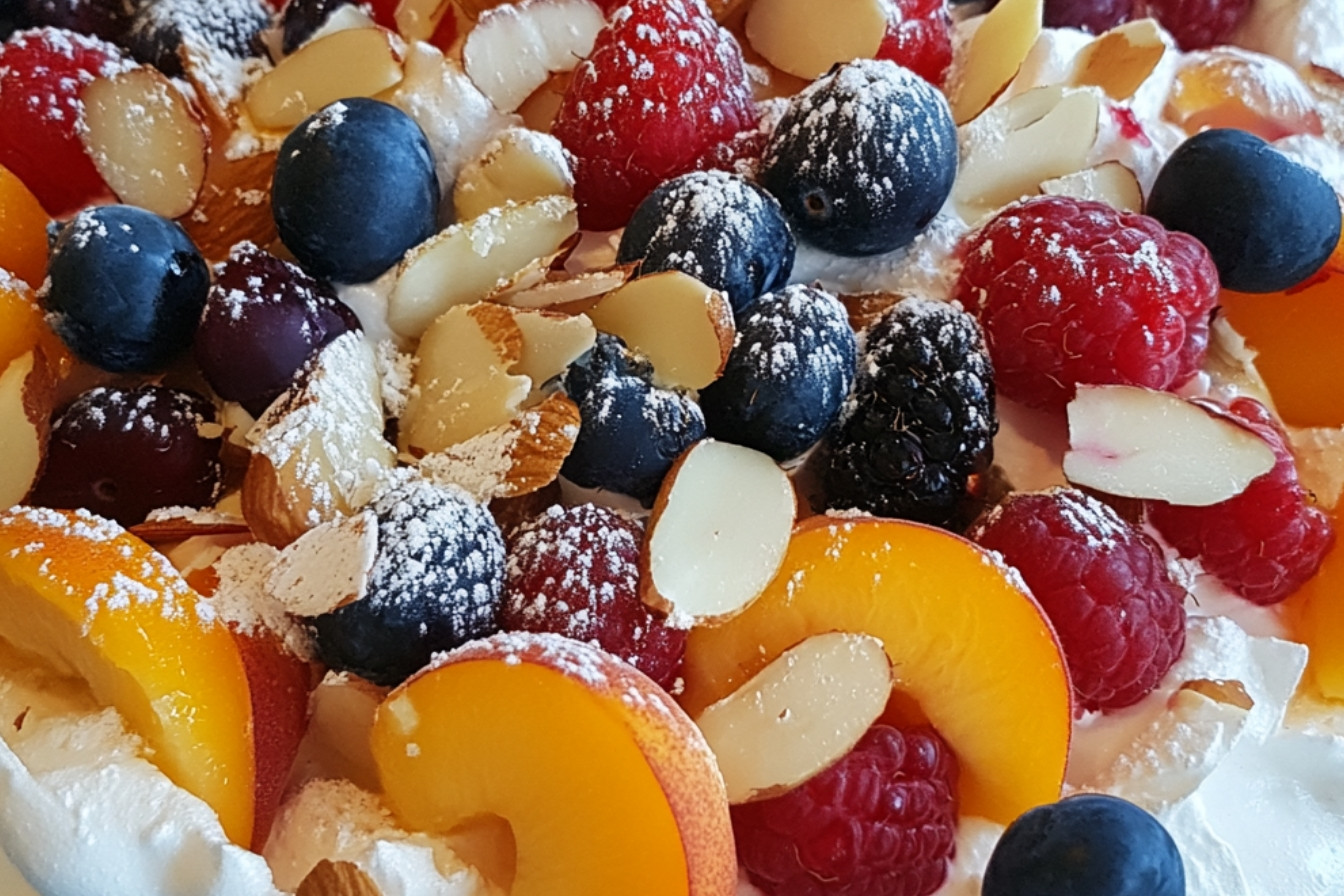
(23, 230)
(23, 327)
(608, 788)
(965, 639)
(97, 603)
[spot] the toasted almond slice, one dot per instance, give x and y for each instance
(565, 291)
(798, 715)
(515, 47)
(326, 567)
(337, 878)
(805, 38)
(163, 531)
(551, 342)
(417, 19)
(996, 52)
(1121, 59)
(518, 165)
(27, 399)
(1109, 182)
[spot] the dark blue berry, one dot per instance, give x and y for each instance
(727, 233)
(790, 371)
(437, 581)
(107, 19)
(1087, 845)
(863, 158)
(354, 188)
(126, 288)
(13, 17)
(159, 29)
(630, 431)
(1268, 222)
(300, 19)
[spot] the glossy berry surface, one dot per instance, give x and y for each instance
(574, 571)
(437, 581)
(882, 819)
(1268, 222)
(1071, 291)
(1094, 16)
(1196, 24)
(159, 30)
(263, 318)
(1263, 543)
(42, 72)
(921, 420)
(354, 188)
(121, 453)
(1091, 844)
(1104, 585)
(863, 158)
(790, 370)
(631, 430)
(721, 229)
(126, 288)
(663, 92)
(300, 19)
(919, 38)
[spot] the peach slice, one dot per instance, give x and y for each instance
(1316, 618)
(23, 326)
(23, 230)
(965, 638)
(97, 603)
(608, 788)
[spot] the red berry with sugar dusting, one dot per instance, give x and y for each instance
(1195, 24)
(919, 37)
(1071, 291)
(575, 572)
(1104, 584)
(663, 92)
(883, 819)
(42, 73)
(1263, 543)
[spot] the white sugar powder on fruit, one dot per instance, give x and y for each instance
(242, 599)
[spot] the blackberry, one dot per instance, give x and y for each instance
(158, 31)
(921, 420)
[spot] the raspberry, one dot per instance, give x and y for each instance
(883, 819)
(1263, 543)
(1071, 291)
(663, 92)
(575, 572)
(1195, 24)
(1104, 584)
(921, 420)
(920, 39)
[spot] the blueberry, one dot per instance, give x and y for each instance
(1268, 222)
(437, 581)
(13, 17)
(1086, 845)
(300, 19)
(790, 371)
(630, 431)
(159, 29)
(863, 158)
(727, 233)
(126, 288)
(354, 188)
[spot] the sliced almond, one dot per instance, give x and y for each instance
(326, 567)
(1121, 59)
(865, 308)
(805, 38)
(27, 399)
(996, 51)
(571, 293)
(1109, 182)
(538, 110)
(518, 165)
(718, 532)
(466, 262)
(418, 19)
(1222, 690)
(515, 47)
(339, 878)
(551, 342)
(165, 531)
(684, 327)
(798, 715)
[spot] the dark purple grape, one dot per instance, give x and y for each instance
(300, 19)
(124, 452)
(107, 19)
(263, 318)
(160, 28)
(1095, 16)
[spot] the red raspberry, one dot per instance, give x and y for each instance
(919, 37)
(663, 92)
(575, 572)
(883, 819)
(1263, 543)
(1103, 583)
(42, 72)
(1195, 24)
(1071, 291)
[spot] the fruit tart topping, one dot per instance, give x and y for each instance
(326, 567)
(1073, 291)
(23, 232)
(1264, 542)
(883, 819)
(437, 582)
(1089, 843)
(663, 92)
(515, 47)
(1229, 87)
(301, 19)
(1195, 23)
(791, 368)
(107, 19)
(517, 165)
(575, 571)
(354, 188)
(27, 398)
(921, 420)
(1268, 222)
(1095, 16)
(919, 37)
(1104, 584)
(863, 158)
(125, 288)
(994, 55)
(124, 452)
(159, 31)
(631, 430)
(721, 229)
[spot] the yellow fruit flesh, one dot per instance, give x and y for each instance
(22, 327)
(1315, 614)
(23, 231)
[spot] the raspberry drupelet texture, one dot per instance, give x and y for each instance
(1071, 291)
(1263, 543)
(883, 819)
(575, 572)
(663, 92)
(1104, 585)
(921, 420)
